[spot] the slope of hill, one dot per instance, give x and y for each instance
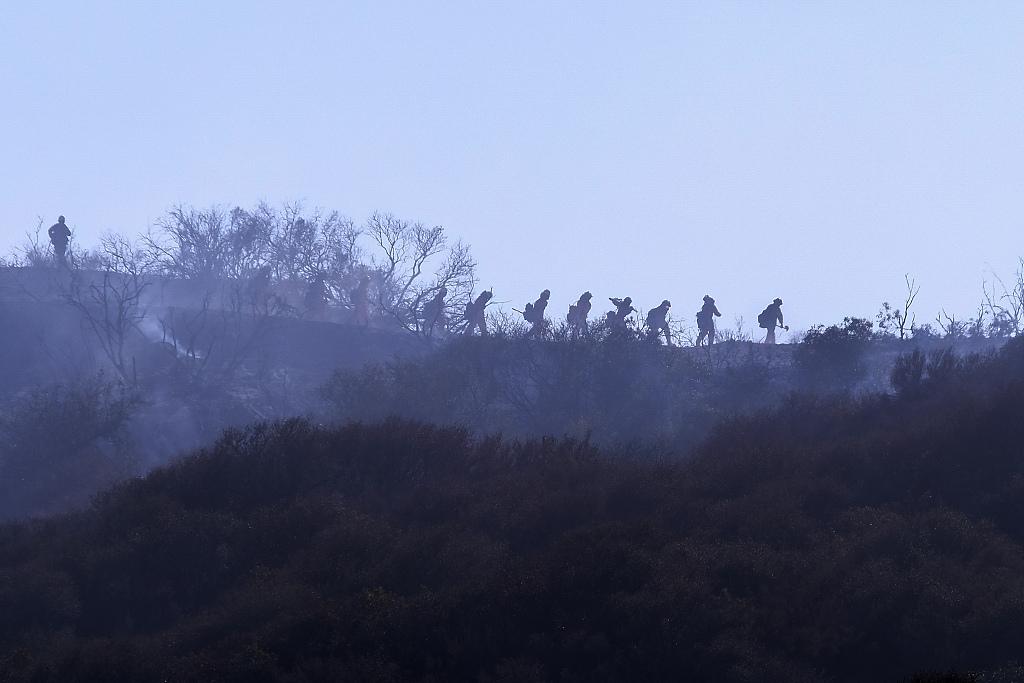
(828, 539)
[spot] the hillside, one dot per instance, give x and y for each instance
(828, 539)
(89, 396)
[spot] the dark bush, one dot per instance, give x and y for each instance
(60, 444)
(907, 373)
(833, 356)
(612, 391)
(830, 539)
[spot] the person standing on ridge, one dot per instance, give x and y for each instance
(434, 317)
(623, 309)
(60, 235)
(657, 322)
(534, 314)
(578, 314)
(770, 318)
(706, 321)
(475, 314)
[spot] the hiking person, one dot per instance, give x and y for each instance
(578, 314)
(434, 317)
(657, 322)
(475, 313)
(623, 309)
(770, 318)
(706, 321)
(534, 314)
(60, 235)
(360, 298)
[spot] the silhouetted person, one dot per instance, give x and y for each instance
(770, 318)
(534, 314)
(434, 317)
(578, 314)
(475, 313)
(360, 297)
(706, 321)
(623, 309)
(316, 298)
(60, 235)
(657, 322)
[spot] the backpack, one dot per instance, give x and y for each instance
(528, 313)
(766, 318)
(573, 313)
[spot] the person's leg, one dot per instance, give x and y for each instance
(700, 337)
(770, 337)
(711, 337)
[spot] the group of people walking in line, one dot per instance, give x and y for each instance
(434, 316)
(655, 325)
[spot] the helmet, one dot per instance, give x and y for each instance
(546, 294)
(666, 303)
(60, 219)
(627, 300)
(708, 298)
(587, 295)
(777, 302)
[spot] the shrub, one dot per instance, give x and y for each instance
(908, 373)
(61, 444)
(834, 355)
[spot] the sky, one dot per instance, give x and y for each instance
(815, 151)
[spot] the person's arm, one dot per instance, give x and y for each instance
(781, 322)
(717, 314)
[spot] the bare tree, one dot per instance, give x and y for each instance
(893, 321)
(34, 252)
(192, 244)
(110, 301)
(216, 340)
(1005, 304)
(413, 262)
(951, 326)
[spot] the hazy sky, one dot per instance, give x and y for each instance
(811, 150)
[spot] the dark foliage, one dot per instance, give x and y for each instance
(612, 390)
(835, 354)
(831, 539)
(61, 444)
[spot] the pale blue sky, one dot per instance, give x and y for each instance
(810, 150)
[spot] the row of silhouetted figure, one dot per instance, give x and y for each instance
(655, 325)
